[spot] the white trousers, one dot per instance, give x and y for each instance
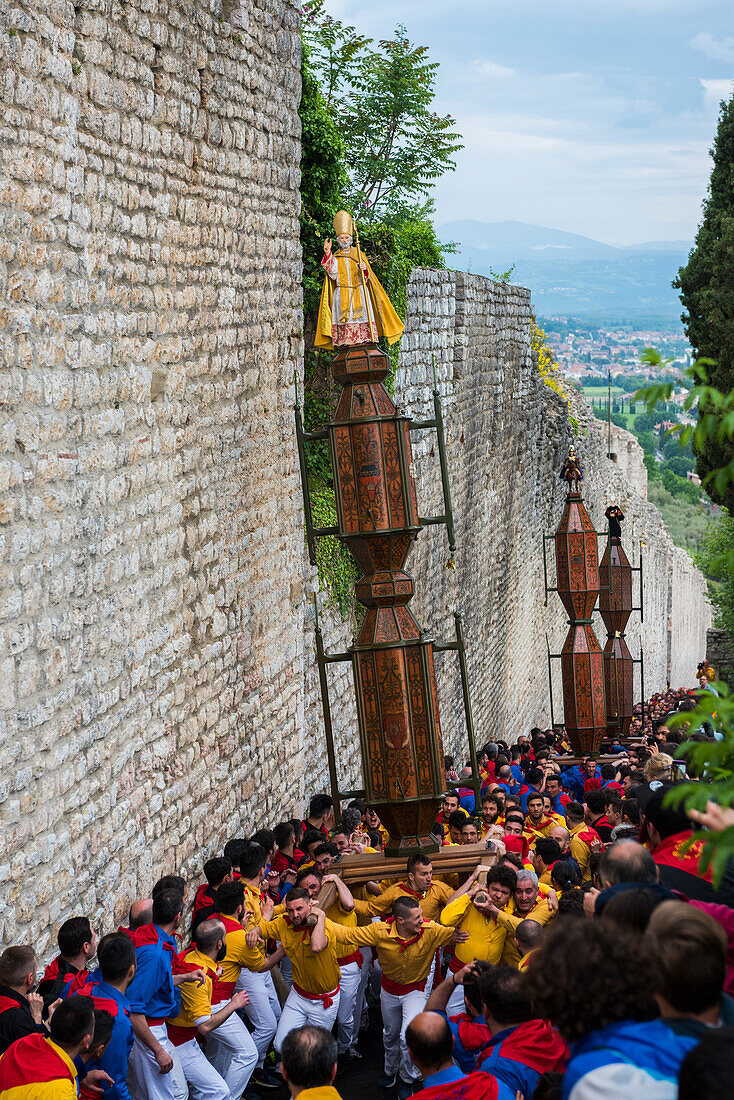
(360, 1007)
(346, 1017)
(232, 1052)
(299, 1010)
(145, 1080)
(455, 1004)
(263, 1011)
(203, 1080)
(286, 969)
(397, 1012)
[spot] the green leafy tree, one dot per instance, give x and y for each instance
(678, 464)
(381, 98)
(706, 285)
(712, 557)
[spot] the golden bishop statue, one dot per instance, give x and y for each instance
(354, 307)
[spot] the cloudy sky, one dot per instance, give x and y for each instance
(595, 118)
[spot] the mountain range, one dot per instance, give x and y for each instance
(573, 275)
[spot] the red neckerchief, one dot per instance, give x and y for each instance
(405, 944)
(675, 852)
(420, 894)
(305, 935)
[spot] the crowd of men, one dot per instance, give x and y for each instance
(587, 956)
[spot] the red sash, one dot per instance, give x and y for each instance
(398, 989)
(355, 957)
(327, 999)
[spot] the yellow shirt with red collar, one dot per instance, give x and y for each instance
(510, 917)
(486, 934)
(581, 839)
(35, 1068)
(253, 903)
(532, 830)
(405, 963)
(316, 972)
(525, 960)
(432, 900)
(196, 1000)
(239, 956)
(321, 1092)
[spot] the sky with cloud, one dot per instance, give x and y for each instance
(595, 118)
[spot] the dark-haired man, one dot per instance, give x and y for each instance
(418, 883)
(77, 945)
(309, 1063)
(116, 958)
(521, 1048)
(43, 1065)
(595, 814)
(313, 950)
(155, 1071)
(216, 871)
(406, 948)
(584, 840)
(320, 814)
(537, 823)
(20, 1008)
(559, 798)
(245, 967)
(472, 908)
(675, 850)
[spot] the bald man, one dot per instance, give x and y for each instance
(141, 912)
(528, 937)
(430, 1043)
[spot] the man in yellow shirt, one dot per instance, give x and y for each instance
(469, 909)
(406, 946)
(197, 1017)
(537, 823)
(232, 1041)
(420, 884)
(351, 963)
(312, 950)
(584, 840)
(526, 904)
(263, 1010)
(41, 1067)
(309, 1063)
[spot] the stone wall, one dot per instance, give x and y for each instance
(158, 690)
(151, 641)
(507, 434)
(720, 654)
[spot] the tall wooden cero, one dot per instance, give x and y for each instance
(582, 663)
(616, 606)
(392, 659)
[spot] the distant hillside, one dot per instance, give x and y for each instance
(571, 274)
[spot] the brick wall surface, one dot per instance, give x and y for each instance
(151, 649)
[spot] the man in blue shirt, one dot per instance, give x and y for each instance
(430, 1043)
(155, 1070)
(116, 957)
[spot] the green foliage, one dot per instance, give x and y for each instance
(706, 284)
(323, 178)
(645, 422)
(653, 470)
(713, 763)
(648, 442)
(679, 465)
(337, 570)
(687, 523)
(679, 486)
(354, 94)
(716, 548)
(381, 98)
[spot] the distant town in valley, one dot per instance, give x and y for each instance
(584, 350)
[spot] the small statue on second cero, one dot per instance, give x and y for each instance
(354, 307)
(615, 517)
(571, 471)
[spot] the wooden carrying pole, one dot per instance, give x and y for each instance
(373, 331)
(355, 869)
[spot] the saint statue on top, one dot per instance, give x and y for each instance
(354, 307)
